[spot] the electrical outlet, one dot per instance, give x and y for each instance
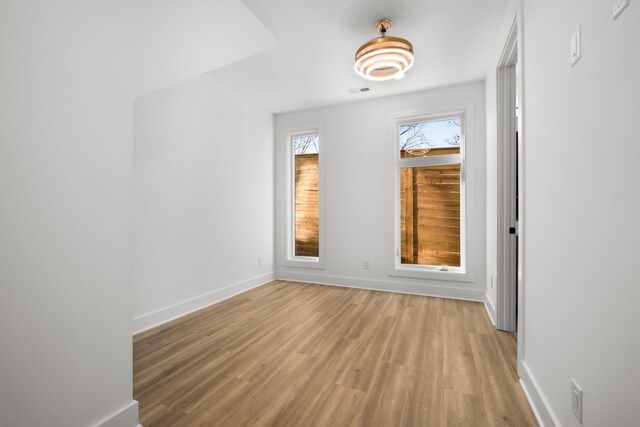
(576, 400)
(619, 6)
(365, 264)
(576, 46)
(259, 262)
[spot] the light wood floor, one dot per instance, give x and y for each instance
(293, 354)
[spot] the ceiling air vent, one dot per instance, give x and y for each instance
(359, 90)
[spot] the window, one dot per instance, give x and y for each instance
(305, 201)
(430, 196)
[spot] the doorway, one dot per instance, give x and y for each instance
(509, 187)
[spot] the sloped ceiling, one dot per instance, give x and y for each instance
(313, 63)
(179, 39)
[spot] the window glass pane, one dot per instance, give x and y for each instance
(307, 144)
(307, 236)
(430, 215)
(431, 138)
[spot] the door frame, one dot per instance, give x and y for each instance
(507, 127)
(511, 63)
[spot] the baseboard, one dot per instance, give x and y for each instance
(158, 317)
(125, 417)
(491, 311)
(539, 404)
(425, 289)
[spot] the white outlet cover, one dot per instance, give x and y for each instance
(576, 46)
(619, 6)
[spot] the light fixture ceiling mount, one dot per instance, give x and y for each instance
(385, 57)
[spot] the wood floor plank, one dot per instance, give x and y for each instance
(495, 382)
(464, 410)
(291, 353)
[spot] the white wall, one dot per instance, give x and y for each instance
(65, 209)
(582, 203)
(203, 174)
(180, 39)
(358, 190)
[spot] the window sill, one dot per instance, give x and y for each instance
(431, 273)
(304, 262)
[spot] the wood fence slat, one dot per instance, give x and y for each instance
(446, 222)
(426, 246)
(306, 205)
(430, 215)
(429, 230)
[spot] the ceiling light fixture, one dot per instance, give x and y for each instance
(384, 58)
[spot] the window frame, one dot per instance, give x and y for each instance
(291, 260)
(460, 273)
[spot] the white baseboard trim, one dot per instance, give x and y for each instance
(539, 404)
(125, 417)
(164, 315)
(425, 289)
(491, 311)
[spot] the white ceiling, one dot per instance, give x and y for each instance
(313, 64)
(179, 39)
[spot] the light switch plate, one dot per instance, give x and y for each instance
(619, 6)
(576, 46)
(576, 400)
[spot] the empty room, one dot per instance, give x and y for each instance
(373, 213)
